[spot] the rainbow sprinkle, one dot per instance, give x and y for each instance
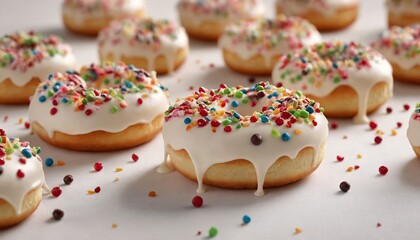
(221, 9)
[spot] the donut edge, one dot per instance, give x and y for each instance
(12, 94)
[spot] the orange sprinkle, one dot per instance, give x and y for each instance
(349, 169)
(114, 225)
(60, 163)
(90, 192)
(213, 129)
(118, 169)
(298, 230)
(379, 132)
(152, 194)
(393, 132)
(20, 121)
(297, 131)
(188, 128)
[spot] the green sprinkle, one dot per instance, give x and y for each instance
(9, 151)
(114, 109)
(213, 232)
(15, 146)
(226, 122)
(275, 133)
(106, 81)
(238, 126)
(226, 91)
(336, 79)
(303, 114)
(245, 100)
(239, 94)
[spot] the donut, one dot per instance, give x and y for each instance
(326, 15)
(206, 19)
(122, 108)
(413, 131)
(26, 59)
(401, 46)
(156, 45)
(22, 180)
(244, 137)
(88, 17)
(254, 46)
(403, 12)
(348, 79)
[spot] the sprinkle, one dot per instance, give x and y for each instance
(393, 132)
(49, 162)
(399, 124)
(246, 219)
(118, 169)
(187, 120)
(378, 224)
(344, 186)
(90, 192)
(406, 107)
(297, 131)
(68, 179)
(20, 174)
(285, 136)
(334, 125)
(20, 120)
(298, 230)
(56, 191)
(58, 214)
(359, 156)
(152, 194)
(213, 232)
(53, 111)
(340, 158)
(356, 167)
(256, 139)
(60, 163)
(373, 125)
(388, 110)
(383, 170)
(134, 157)
(378, 140)
(197, 201)
(349, 169)
(27, 125)
(114, 225)
(98, 166)
(116, 179)
(98, 189)
(27, 153)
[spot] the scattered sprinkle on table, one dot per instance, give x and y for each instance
(58, 214)
(98, 166)
(118, 169)
(298, 230)
(68, 179)
(152, 194)
(383, 170)
(344, 186)
(213, 232)
(56, 191)
(114, 225)
(246, 219)
(197, 201)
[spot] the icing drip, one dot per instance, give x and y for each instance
(224, 11)
(20, 171)
(326, 7)
(268, 38)
(318, 70)
(123, 96)
(413, 132)
(25, 55)
(143, 38)
(285, 121)
(400, 45)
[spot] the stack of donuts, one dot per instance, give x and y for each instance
(262, 135)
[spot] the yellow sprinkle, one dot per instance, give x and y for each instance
(349, 169)
(8, 157)
(298, 230)
(90, 192)
(20, 120)
(379, 132)
(394, 132)
(60, 163)
(359, 156)
(118, 169)
(114, 225)
(297, 131)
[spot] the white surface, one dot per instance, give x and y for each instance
(315, 204)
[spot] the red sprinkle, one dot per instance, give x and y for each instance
(56, 191)
(383, 170)
(201, 122)
(22, 160)
(378, 139)
(20, 174)
(139, 101)
(253, 119)
(134, 157)
(399, 124)
(334, 125)
(27, 125)
(378, 225)
(356, 167)
(340, 158)
(197, 201)
(373, 125)
(215, 123)
(388, 110)
(53, 111)
(406, 107)
(228, 129)
(98, 166)
(88, 112)
(98, 189)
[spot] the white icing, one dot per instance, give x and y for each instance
(326, 7)
(399, 58)
(361, 80)
(117, 8)
(129, 47)
(234, 10)
(403, 7)
(42, 69)
(206, 148)
(102, 118)
(13, 189)
(290, 39)
(413, 132)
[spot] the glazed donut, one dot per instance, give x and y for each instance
(124, 108)
(413, 131)
(403, 12)
(22, 180)
(255, 137)
(159, 45)
(254, 46)
(206, 19)
(26, 59)
(401, 46)
(88, 17)
(348, 79)
(326, 15)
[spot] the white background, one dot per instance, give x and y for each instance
(315, 204)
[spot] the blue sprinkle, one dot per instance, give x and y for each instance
(271, 108)
(212, 109)
(236, 115)
(235, 103)
(246, 219)
(65, 100)
(310, 109)
(42, 98)
(27, 153)
(128, 84)
(50, 76)
(49, 162)
(303, 59)
(264, 119)
(123, 89)
(45, 87)
(69, 72)
(207, 118)
(335, 65)
(285, 137)
(244, 91)
(131, 67)
(187, 120)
